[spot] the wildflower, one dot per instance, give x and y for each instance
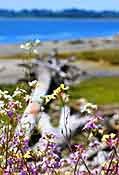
(49, 137)
(22, 46)
(63, 87)
(94, 144)
(111, 139)
(18, 92)
(18, 155)
(11, 104)
(35, 51)
(88, 108)
(27, 155)
(113, 167)
(42, 108)
(78, 152)
(27, 98)
(10, 114)
(18, 104)
(28, 44)
(48, 98)
(80, 149)
(90, 124)
(1, 104)
(33, 83)
(59, 91)
(37, 41)
(107, 136)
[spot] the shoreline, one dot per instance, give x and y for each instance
(52, 18)
(63, 46)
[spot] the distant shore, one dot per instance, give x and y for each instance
(49, 17)
(67, 12)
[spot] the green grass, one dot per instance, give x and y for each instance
(107, 55)
(97, 90)
(11, 87)
(20, 56)
(104, 90)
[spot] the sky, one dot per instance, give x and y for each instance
(60, 4)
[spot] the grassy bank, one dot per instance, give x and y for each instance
(107, 55)
(11, 87)
(22, 56)
(97, 90)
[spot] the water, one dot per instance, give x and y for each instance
(19, 30)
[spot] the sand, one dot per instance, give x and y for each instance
(64, 46)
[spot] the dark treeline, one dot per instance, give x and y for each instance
(68, 13)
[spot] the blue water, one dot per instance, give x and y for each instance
(20, 30)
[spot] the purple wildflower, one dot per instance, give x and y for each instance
(10, 114)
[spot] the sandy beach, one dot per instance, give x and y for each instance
(64, 46)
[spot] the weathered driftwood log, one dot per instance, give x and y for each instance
(2, 68)
(55, 73)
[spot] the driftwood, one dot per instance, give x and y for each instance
(109, 110)
(56, 73)
(2, 68)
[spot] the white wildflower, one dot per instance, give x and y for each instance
(1, 104)
(37, 41)
(42, 108)
(28, 44)
(22, 46)
(35, 51)
(27, 98)
(16, 93)
(33, 83)
(7, 97)
(19, 104)
(88, 107)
